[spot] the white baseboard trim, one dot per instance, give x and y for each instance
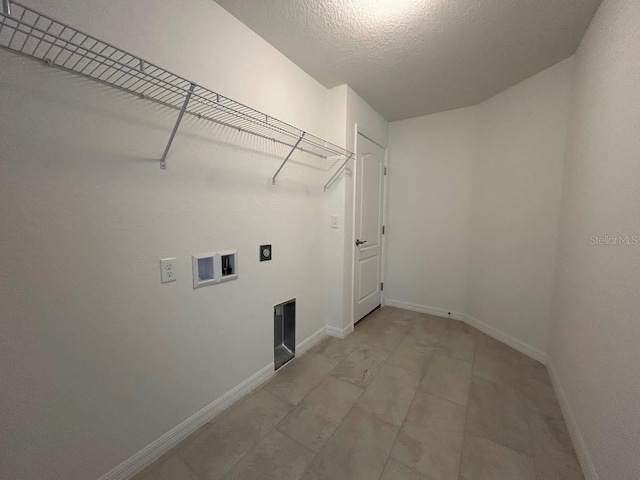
(310, 341)
(166, 442)
(339, 332)
(522, 347)
(414, 307)
(157, 448)
(588, 468)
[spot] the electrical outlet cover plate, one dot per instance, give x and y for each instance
(265, 253)
(168, 270)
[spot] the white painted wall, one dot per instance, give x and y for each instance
(595, 334)
(98, 359)
(516, 205)
(474, 207)
(347, 111)
(335, 204)
(369, 122)
(431, 166)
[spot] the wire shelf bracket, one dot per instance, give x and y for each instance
(163, 160)
(273, 180)
(337, 172)
(28, 32)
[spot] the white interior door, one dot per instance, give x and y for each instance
(368, 227)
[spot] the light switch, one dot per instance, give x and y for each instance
(334, 221)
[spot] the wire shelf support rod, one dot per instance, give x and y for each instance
(273, 180)
(163, 160)
(328, 184)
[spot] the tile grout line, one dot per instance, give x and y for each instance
(404, 421)
(391, 449)
(275, 426)
(466, 412)
(284, 434)
(488, 439)
(433, 353)
(367, 413)
(316, 455)
(532, 456)
(401, 426)
(334, 431)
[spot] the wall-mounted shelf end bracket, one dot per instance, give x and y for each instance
(337, 172)
(163, 160)
(273, 180)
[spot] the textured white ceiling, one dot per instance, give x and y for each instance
(413, 57)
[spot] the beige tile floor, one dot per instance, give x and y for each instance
(407, 396)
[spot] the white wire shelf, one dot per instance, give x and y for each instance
(28, 32)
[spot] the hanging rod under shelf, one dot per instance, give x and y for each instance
(28, 32)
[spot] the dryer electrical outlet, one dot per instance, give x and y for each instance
(265, 253)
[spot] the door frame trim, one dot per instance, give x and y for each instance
(385, 190)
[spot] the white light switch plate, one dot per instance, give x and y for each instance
(168, 270)
(334, 221)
